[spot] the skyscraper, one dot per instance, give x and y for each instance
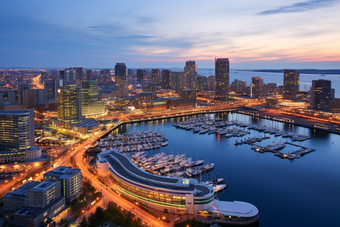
(16, 130)
(21, 88)
(211, 83)
(221, 77)
(190, 71)
(141, 73)
(155, 76)
(201, 83)
(79, 73)
(121, 82)
(291, 82)
(256, 86)
(43, 77)
(62, 73)
(166, 78)
(88, 75)
(90, 103)
(105, 76)
(32, 97)
(70, 76)
(175, 80)
(50, 90)
(69, 100)
(321, 94)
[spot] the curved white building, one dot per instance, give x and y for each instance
(169, 194)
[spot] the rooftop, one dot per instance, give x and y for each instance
(127, 169)
(22, 190)
(43, 185)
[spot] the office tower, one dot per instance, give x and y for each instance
(121, 82)
(105, 76)
(175, 80)
(70, 76)
(255, 87)
(54, 74)
(11, 97)
(291, 82)
(32, 97)
(166, 79)
(88, 75)
(69, 103)
(90, 102)
(70, 180)
(43, 77)
(62, 73)
(16, 130)
(141, 74)
(211, 83)
(79, 73)
(155, 76)
(190, 72)
(21, 88)
(239, 86)
(43, 194)
(129, 74)
(148, 87)
(201, 83)
(221, 77)
(50, 90)
(189, 94)
(321, 94)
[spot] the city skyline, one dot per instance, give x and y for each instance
(265, 34)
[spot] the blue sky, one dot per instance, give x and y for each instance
(252, 34)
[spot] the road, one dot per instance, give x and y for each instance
(111, 196)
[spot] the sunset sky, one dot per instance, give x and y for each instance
(252, 34)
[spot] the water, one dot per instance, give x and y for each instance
(301, 192)
(305, 79)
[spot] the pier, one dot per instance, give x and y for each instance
(250, 141)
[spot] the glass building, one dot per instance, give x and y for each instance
(321, 94)
(90, 102)
(121, 82)
(69, 100)
(190, 72)
(222, 77)
(291, 83)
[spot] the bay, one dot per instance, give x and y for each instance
(300, 192)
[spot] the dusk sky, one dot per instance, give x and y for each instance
(252, 34)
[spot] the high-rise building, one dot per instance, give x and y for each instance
(70, 75)
(50, 90)
(155, 75)
(190, 71)
(79, 73)
(43, 77)
(88, 75)
(239, 86)
(32, 97)
(16, 130)
(21, 88)
(70, 180)
(90, 102)
(129, 73)
(69, 101)
(256, 86)
(201, 83)
(121, 82)
(222, 77)
(105, 76)
(62, 74)
(141, 74)
(175, 80)
(291, 82)
(211, 83)
(166, 79)
(189, 94)
(321, 94)
(43, 194)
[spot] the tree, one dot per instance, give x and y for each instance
(83, 222)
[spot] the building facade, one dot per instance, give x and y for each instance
(121, 82)
(256, 85)
(69, 101)
(190, 72)
(166, 79)
(321, 94)
(291, 84)
(222, 77)
(90, 99)
(155, 76)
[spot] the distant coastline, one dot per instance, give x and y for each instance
(304, 71)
